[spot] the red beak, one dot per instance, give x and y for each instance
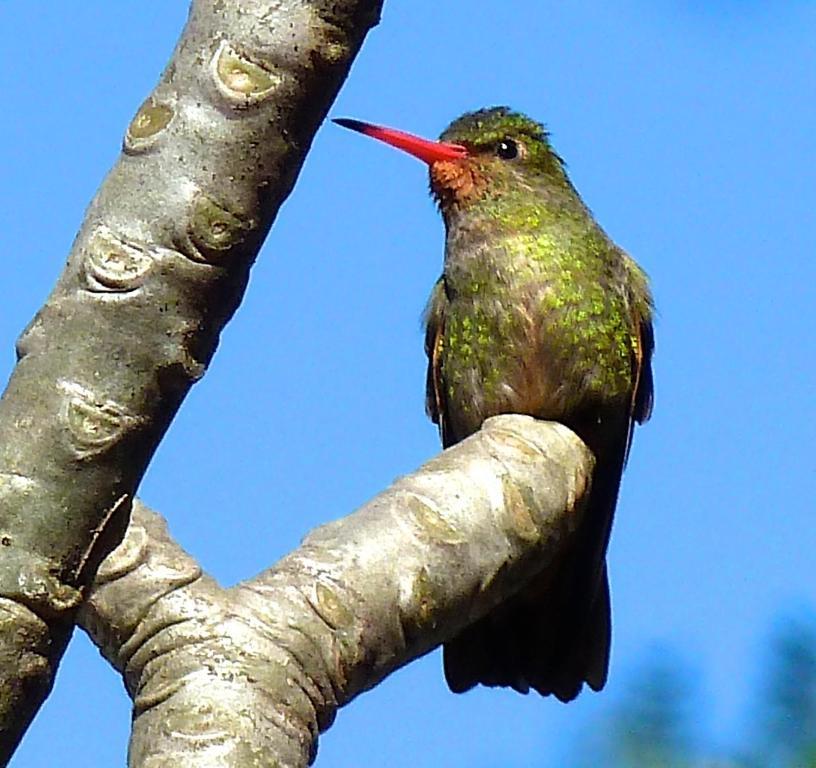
(427, 151)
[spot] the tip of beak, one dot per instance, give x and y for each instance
(354, 125)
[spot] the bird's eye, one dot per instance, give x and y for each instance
(507, 149)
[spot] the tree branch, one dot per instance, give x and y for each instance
(251, 675)
(157, 269)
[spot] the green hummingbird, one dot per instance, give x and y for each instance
(537, 312)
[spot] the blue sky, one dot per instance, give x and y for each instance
(688, 128)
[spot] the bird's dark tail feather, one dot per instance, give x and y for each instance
(555, 635)
(540, 639)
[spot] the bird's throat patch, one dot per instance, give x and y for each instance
(457, 183)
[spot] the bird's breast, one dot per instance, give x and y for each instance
(533, 329)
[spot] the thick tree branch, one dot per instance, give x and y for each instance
(249, 676)
(158, 267)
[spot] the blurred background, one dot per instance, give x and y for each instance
(688, 128)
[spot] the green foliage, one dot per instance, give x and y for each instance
(788, 716)
(657, 723)
(650, 727)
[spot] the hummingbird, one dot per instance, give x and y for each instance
(537, 312)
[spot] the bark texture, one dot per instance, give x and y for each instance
(158, 267)
(249, 676)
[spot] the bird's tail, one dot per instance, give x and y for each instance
(546, 638)
(554, 635)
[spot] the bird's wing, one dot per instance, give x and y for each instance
(643, 393)
(642, 309)
(434, 319)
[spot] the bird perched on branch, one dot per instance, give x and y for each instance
(537, 312)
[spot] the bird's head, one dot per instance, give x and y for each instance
(483, 155)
